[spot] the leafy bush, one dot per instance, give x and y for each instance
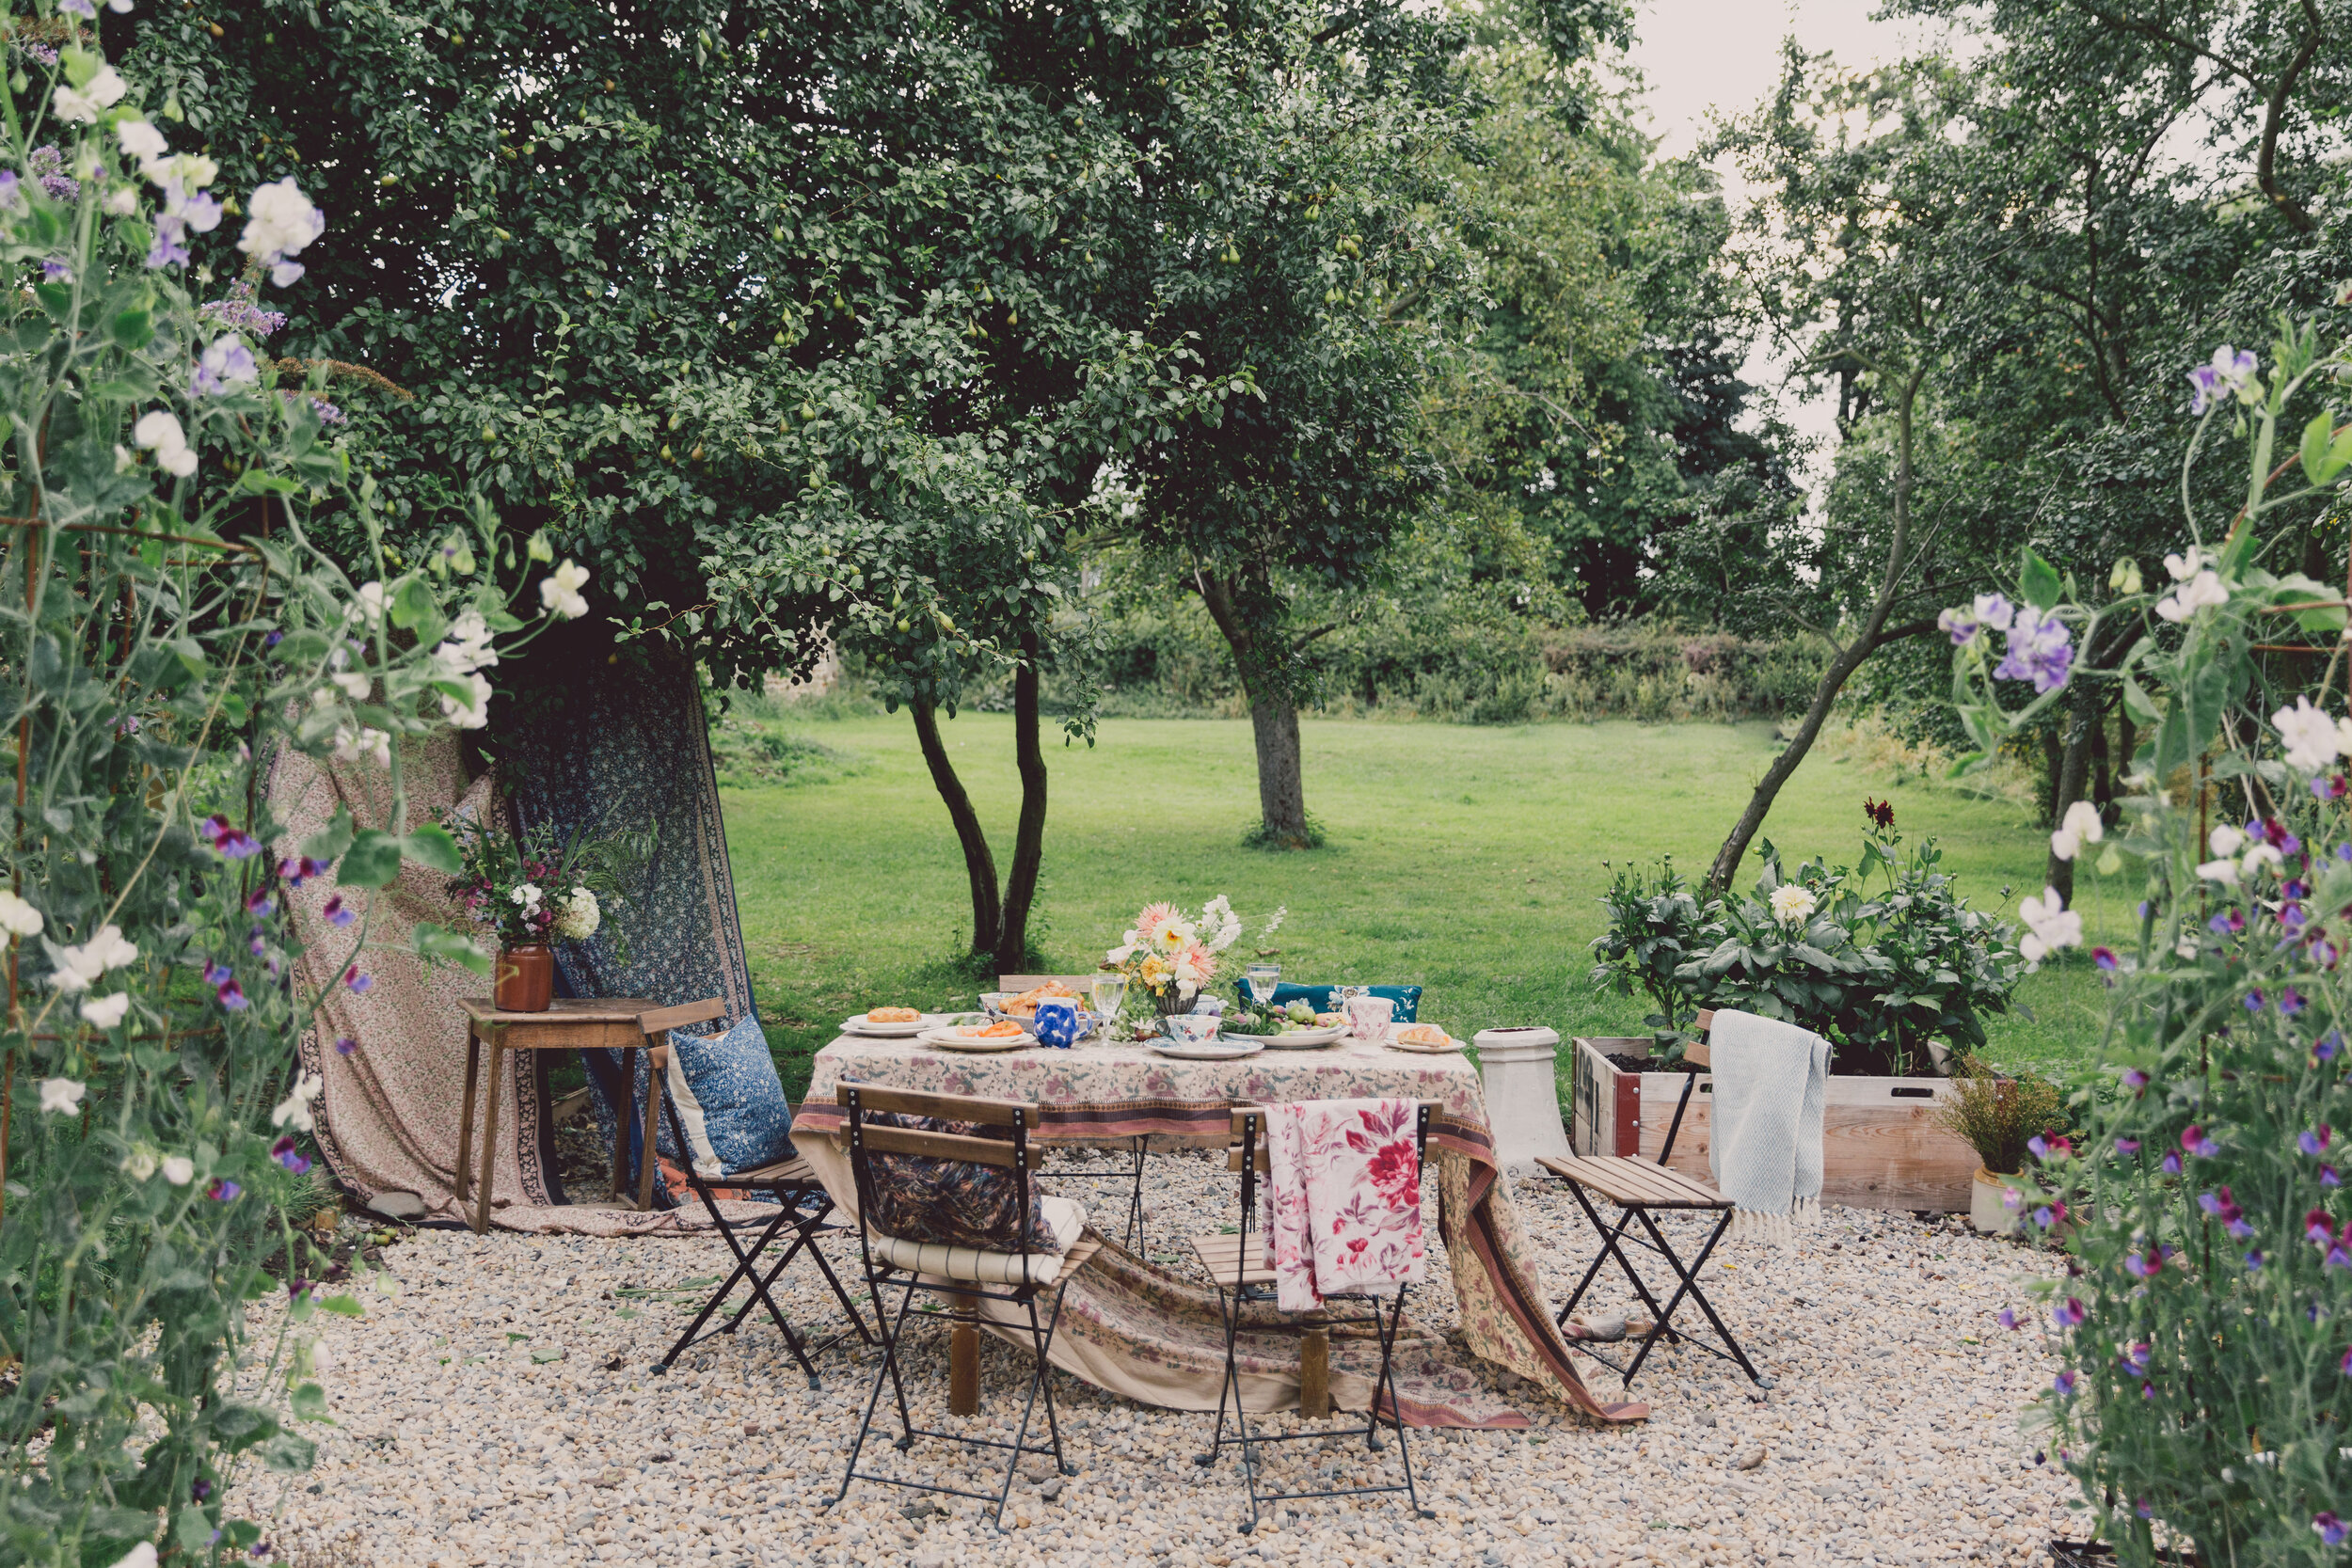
(2000, 1115)
(2206, 1318)
(168, 630)
(1879, 974)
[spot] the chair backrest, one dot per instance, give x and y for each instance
(867, 1137)
(1247, 1154)
(660, 1021)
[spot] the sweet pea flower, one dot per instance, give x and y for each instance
(295, 1107)
(2127, 1146)
(2230, 372)
(140, 139)
(2314, 1139)
(223, 1190)
(283, 221)
(2328, 1176)
(17, 917)
(1961, 627)
(2007, 1318)
(2195, 1141)
(61, 1095)
(2063, 1384)
(2106, 959)
(82, 105)
(2307, 736)
(1994, 612)
(106, 1012)
(227, 363)
(2144, 1267)
(2200, 586)
(560, 591)
(179, 1169)
(2039, 651)
(2332, 1529)
(2319, 1226)
(2050, 925)
(2081, 826)
(2068, 1313)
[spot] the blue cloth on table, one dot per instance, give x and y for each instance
(604, 737)
(1407, 998)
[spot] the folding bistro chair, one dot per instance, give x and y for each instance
(1637, 1188)
(1238, 1270)
(801, 1205)
(1012, 1271)
(1129, 1170)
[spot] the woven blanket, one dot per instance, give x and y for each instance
(1771, 1082)
(1342, 1201)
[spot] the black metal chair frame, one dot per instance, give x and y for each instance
(1661, 1319)
(801, 1205)
(865, 1138)
(1132, 1172)
(1249, 1125)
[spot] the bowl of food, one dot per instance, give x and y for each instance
(1022, 1004)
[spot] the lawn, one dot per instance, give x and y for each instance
(1467, 860)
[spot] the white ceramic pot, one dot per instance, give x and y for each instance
(1986, 1211)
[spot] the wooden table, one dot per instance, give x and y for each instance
(590, 1024)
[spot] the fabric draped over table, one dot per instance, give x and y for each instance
(608, 738)
(1142, 1331)
(388, 1117)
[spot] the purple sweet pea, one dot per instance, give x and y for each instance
(2255, 1259)
(283, 1151)
(298, 872)
(2172, 1165)
(259, 904)
(345, 1046)
(2328, 1176)
(2063, 1384)
(360, 983)
(2134, 1080)
(1962, 627)
(2195, 1140)
(2039, 651)
(56, 270)
(2314, 1139)
(2144, 1266)
(227, 363)
(223, 1190)
(337, 911)
(2068, 1313)
(2254, 1001)
(2008, 1318)
(2127, 1146)
(2324, 1048)
(2332, 1529)
(2135, 1357)
(232, 996)
(2319, 1226)
(2104, 958)
(2290, 1001)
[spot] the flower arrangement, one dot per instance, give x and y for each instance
(1171, 956)
(529, 889)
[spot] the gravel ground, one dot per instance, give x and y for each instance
(498, 1409)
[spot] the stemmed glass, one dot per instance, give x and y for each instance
(1261, 979)
(1110, 992)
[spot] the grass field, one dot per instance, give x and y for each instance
(1467, 860)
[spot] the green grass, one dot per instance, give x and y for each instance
(1466, 860)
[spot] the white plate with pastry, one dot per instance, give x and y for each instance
(1425, 1038)
(978, 1037)
(887, 1023)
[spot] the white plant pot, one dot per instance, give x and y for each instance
(1986, 1211)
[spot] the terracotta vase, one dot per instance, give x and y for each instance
(526, 978)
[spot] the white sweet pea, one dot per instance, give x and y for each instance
(2180, 568)
(159, 431)
(560, 591)
(2191, 596)
(2081, 826)
(527, 895)
(120, 203)
(142, 1555)
(295, 1107)
(2225, 840)
(2219, 871)
(104, 1012)
(139, 1164)
(179, 1169)
(82, 105)
(17, 917)
(467, 648)
(362, 745)
(473, 713)
(370, 605)
(78, 968)
(61, 1095)
(2049, 925)
(2308, 735)
(141, 140)
(354, 684)
(283, 221)
(2258, 856)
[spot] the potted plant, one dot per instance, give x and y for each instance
(2001, 1117)
(531, 890)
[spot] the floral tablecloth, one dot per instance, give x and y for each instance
(1105, 1095)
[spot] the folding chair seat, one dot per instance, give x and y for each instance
(1010, 1269)
(1235, 1262)
(1640, 1189)
(801, 1207)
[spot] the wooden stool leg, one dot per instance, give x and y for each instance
(653, 1118)
(620, 1126)
(1315, 1374)
(489, 1139)
(465, 1114)
(964, 1358)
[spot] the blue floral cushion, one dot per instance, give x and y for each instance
(1407, 998)
(729, 1099)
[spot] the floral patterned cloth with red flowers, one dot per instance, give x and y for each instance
(1342, 1206)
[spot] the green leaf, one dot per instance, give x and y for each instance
(309, 1403)
(433, 942)
(372, 859)
(2143, 708)
(289, 1456)
(238, 1534)
(545, 1354)
(132, 330)
(2038, 582)
(191, 656)
(238, 1427)
(2314, 451)
(342, 1306)
(413, 603)
(431, 845)
(195, 1532)
(329, 843)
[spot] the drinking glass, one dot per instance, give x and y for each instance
(1261, 979)
(1111, 990)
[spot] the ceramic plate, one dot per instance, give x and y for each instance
(1297, 1039)
(885, 1031)
(948, 1040)
(1451, 1045)
(1208, 1051)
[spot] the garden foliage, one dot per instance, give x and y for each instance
(167, 629)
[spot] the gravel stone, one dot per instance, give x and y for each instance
(1892, 1434)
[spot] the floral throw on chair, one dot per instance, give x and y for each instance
(1342, 1200)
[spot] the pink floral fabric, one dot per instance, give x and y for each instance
(1342, 1210)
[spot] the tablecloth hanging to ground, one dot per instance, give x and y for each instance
(1154, 1336)
(608, 737)
(388, 1120)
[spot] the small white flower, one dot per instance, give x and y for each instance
(139, 1164)
(2258, 856)
(82, 107)
(467, 648)
(473, 713)
(2198, 591)
(295, 1107)
(354, 684)
(158, 429)
(61, 1095)
(142, 1555)
(78, 968)
(2219, 871)
(179, 1169)
(527, 895)
(121, 7)
(283, 221)
(370, 605)
(2309, 736)
(560, 591)
(17, 917)
(106, 1011)
(362, 745)
(2081, 826)
(141, 140)
(121, 201)
(2180, 568)
(2050, 925)
(2226, 841)
(179, 461)
(1794, 904)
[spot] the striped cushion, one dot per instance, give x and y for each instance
(1066, 1218)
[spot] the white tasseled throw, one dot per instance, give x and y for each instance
(1770, 1081)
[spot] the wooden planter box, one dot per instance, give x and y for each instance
(1881, 1145)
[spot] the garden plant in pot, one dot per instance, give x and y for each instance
(531, 890)
(2002, 1119)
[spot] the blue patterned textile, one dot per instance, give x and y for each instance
(729, 1100)
(607, 737)
(1407, 998)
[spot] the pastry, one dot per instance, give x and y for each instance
(1422, 1034)
(892, 1015)
(1002, 1030)
(1026, 1004)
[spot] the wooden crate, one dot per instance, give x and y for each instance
(1882, 1146)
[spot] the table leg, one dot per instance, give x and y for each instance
(964, 1357)
(465, 1113)
(620, 1126)
(489, 1137)
(651, 1146)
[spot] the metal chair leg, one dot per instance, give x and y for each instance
(889, 1369)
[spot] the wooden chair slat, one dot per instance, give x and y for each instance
(1265, 1161)
(1700, 1051)
(658, 1021)
(945, 1145)
(948, 1107)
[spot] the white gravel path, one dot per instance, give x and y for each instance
(1892, 1434)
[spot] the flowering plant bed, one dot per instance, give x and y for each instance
(1884, 1144)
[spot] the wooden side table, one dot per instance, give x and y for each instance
(607, 1024)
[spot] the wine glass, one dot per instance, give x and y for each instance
(1261, 979)
(1110, 992)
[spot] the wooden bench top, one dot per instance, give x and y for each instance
(1627, 1182)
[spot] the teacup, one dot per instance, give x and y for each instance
(1057, 1022)
(1369, 1018)
(1191, 1028)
